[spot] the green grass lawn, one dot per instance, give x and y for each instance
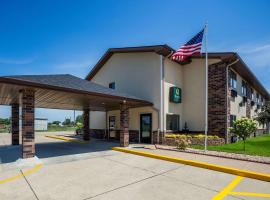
(259, 145)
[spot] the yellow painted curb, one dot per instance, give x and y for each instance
(250, 194)
(67, 139)
(21, 175)
(239, 172)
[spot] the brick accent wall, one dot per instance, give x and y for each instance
(15, 121)
(86, 126)
(28, 120)
(124, 125)
(218, 101)
(196, 141)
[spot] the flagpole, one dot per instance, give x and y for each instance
(206, 88)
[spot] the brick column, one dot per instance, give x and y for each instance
(86, 128)
(124, 125)
(28, 123)
(15, 121)
(218, 101)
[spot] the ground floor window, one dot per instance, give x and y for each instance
(172, 122)
(232, 119)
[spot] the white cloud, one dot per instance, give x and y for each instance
(256, 55)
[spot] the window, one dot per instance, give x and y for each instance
(244, 88)
(232, 119)
(233, 80)
(252, 94)
(257, 98)
(262, 101)
(172, 122)
(112, 85)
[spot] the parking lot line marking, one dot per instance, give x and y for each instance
(228, 188)
(250, 194)
(228, 170)
(67, 139)
(21, 174)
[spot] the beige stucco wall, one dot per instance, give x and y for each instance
(173, 76)
(97, 120)
(134, 73)
(139, 74)
(235, 108)
(193, 94)
(134, 117)
(238, 111)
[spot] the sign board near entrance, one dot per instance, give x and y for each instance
(175, 95)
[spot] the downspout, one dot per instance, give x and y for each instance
(161, 97)
(227, 89)
(158, 130)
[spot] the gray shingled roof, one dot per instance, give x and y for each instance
(70, 82)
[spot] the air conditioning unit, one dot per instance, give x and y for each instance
(244, 99)
(233, 93)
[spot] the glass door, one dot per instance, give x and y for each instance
(146, 127)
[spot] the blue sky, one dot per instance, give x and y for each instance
(52, 37)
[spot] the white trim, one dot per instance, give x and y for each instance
(162, 127)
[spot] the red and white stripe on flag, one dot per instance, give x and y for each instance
(190, 48)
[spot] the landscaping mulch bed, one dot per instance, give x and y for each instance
(244, 157)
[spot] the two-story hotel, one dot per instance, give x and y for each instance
(177, 91)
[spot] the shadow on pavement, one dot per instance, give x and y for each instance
(53, 149)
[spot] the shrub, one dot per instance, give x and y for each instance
(182, 143)
(243, 128)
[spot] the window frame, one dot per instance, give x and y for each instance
(233, 80)
(112, 84)
(244, 88)
(232, 119)
(177, 120)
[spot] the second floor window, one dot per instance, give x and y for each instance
(257, 98)
(233, 80)
(244, 88)
(252, 94)
(112, 85)
(262, 101)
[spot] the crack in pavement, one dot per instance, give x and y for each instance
(28, 183)
(129, 184)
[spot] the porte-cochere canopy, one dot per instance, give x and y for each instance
(65, 91)
(60, 92)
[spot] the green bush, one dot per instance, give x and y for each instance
(243, 128)
(182, 143)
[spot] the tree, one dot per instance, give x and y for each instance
(243, 128)
(56, 123)
(79, 119)
(5, 121)
(67, 122)
(264, 116)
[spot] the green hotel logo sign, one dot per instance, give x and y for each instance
(175, 94)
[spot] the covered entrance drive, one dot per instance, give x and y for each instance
(25, 93)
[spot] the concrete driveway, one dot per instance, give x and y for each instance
(93, 171)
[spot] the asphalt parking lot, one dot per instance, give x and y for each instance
(93, 171)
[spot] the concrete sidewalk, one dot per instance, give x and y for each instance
(243, 165)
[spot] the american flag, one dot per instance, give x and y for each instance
(193, 46)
